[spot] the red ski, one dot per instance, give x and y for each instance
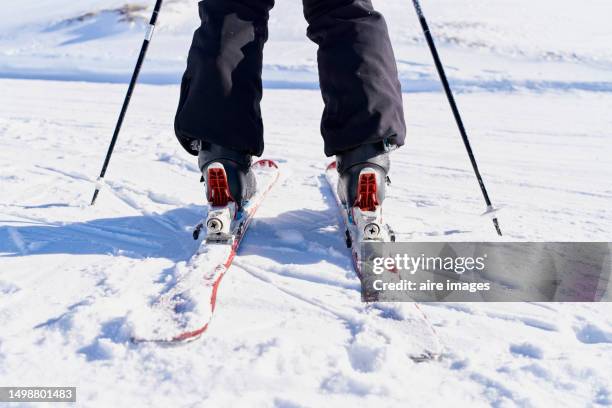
(184, 312)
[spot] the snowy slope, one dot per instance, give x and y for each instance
(289, 330)
(504, 44)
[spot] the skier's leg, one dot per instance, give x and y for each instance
(357, 73)
(221, 88)
(363, 114)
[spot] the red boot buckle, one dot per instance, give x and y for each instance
(367, 199)
(218, 188)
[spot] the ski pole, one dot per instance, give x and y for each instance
(451, 100)
(128, 96)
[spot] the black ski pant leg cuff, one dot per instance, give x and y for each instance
(357, 73)
(221, 89)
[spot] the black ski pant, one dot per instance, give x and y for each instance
(221, 89)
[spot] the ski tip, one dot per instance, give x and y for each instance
(266, 163)
(189, 336)
(426, 357)
(139, 341)
(182, 338)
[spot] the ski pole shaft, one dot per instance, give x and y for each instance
(453, 105)
(128, 97)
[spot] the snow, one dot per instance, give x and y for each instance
(549, 46)
(289, 329)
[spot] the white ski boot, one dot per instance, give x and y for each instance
(361, 188)
(230, 183)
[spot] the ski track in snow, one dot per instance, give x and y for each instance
(289, 329)
(534, 89)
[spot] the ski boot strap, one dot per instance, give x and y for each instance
(211, 153)
(373, 153)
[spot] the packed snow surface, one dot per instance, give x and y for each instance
(534, 84)
(289, 329)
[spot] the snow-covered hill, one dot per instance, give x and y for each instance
(504, 44)
(290, 330)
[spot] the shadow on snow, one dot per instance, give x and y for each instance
(295, 237)
(166, 235)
